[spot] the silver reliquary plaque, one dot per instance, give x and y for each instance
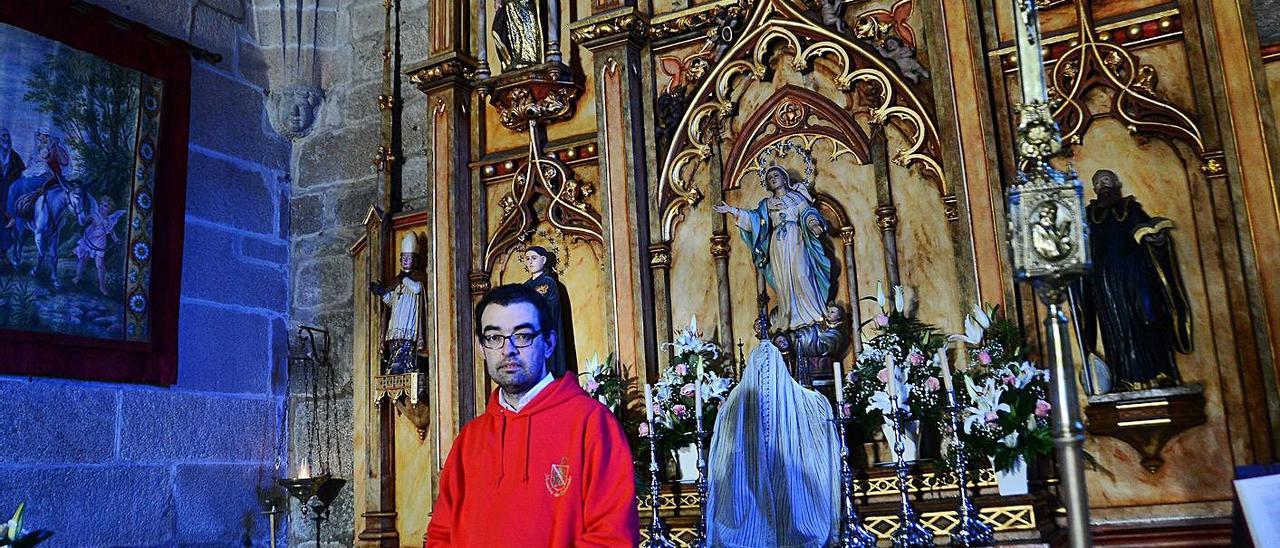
(1047, 225)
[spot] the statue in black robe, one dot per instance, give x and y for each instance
(1134, 296)
(541, 266)
(517, 27)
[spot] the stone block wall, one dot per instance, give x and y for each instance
(123, 465)
(334, 185)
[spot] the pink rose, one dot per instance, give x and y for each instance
(657, 409)
(882, 320)
(679, 409)
(1010, 379)
(592, 386)
(688, 390)
(932, 384)
(916, 358)
(1042, 408)
(883, 375)
(644, 429)
(992, 416)
(984, 358)
(682, 369)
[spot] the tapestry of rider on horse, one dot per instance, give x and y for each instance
(38, 205)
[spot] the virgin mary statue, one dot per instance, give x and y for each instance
(785, 233)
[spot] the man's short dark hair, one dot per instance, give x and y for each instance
(507, 295)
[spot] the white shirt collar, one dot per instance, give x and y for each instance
(527, 397)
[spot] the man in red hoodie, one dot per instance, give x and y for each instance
(545, 465)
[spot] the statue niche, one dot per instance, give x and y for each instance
(518, 30)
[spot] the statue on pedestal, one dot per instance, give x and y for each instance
(517, 27)
(1134, 296)
(786, 232)
(541, 266)
(404, 337)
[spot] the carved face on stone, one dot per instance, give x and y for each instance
(296, 110)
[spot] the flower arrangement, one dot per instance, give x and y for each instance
(1003, 408)
(674, 405)
(903, 346)
(602, 381)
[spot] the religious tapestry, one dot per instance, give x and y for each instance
(92, 183)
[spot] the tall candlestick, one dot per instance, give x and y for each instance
(946, 368)
(839, 376)
(648, 405)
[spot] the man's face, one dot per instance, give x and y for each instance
(534, 262)
(516, 370)
(406, 261)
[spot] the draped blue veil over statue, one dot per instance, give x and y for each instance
(774, 462)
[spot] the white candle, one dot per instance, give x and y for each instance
(697, 398)
(946, 368)
(839, 376)
(648, 404)
(893, 376)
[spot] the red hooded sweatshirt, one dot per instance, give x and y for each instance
(558, 473)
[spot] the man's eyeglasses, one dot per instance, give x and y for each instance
(522, 339)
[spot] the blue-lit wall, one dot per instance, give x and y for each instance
(123, 465)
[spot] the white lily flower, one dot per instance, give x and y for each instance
(880, 300)
(1010, 441)
(981, 317)
(972, 332)
(899, 301)
(986, 401)
(1028, 373)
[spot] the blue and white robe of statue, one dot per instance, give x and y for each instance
(774, 462)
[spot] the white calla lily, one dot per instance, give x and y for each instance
(899, 300)
(880, 300)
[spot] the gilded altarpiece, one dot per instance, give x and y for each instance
(1135, 96)
(907, 155)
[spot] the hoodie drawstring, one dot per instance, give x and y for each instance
(528, 445)
(502, 450)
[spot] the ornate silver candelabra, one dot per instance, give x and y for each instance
(853, 534)
(659, 534)
(702, 478)
(910, 533)
(970, 530)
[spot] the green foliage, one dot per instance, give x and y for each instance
(96, 104)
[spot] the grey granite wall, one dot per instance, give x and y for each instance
(123, 465)
(334, 185)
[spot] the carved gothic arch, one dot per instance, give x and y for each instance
(775, 26)
(795, 112)
(1094, 64)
